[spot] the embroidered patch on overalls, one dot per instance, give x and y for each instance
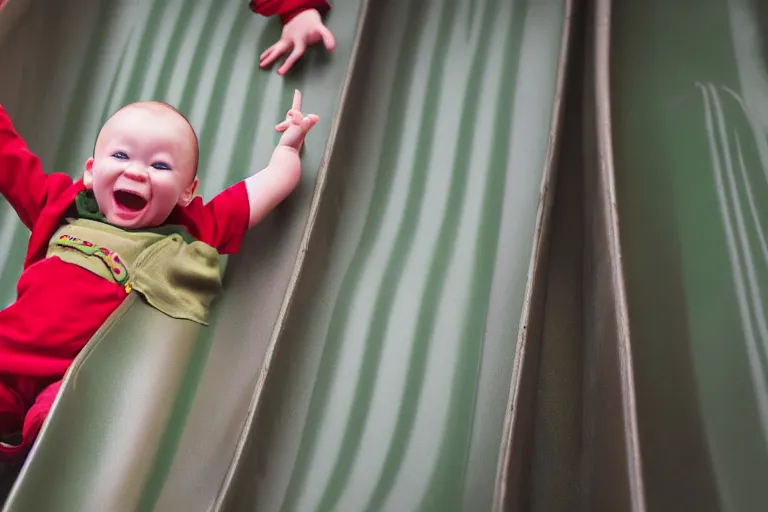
(110, 258)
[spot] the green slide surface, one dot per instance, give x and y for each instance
(391, 376)
(389, 334)
(690, 132)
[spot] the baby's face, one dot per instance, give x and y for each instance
(143, 166)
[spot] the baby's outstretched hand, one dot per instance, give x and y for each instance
(296, 125)
(305, 29)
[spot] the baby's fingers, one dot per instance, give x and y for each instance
(283, 126)
(308, 122)
(328, 40)
(296, 106)
(294, 115)
(273, 52)
(298, 50)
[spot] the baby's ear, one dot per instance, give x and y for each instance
(88, 174)
(188, 194)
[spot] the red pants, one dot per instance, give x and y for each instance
(15, 395)
(59, 308)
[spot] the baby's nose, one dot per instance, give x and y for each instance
(136, 172)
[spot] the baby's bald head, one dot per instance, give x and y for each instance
(157, 108)
(144, 165)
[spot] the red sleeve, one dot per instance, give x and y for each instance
(22, 180)
(220, 223)
(288, 9)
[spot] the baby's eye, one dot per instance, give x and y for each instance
(161, 166)
(121, 155)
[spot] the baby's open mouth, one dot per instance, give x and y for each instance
(130, 200)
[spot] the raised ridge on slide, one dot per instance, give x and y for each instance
(64, 67)
(388, 386)
(690, 127)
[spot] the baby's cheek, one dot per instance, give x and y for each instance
(102, 195)
(166, 196)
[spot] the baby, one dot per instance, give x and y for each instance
(137, 192)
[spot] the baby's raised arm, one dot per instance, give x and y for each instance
(266, 189)
(22, 180)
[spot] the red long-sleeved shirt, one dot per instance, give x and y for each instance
(287, 9)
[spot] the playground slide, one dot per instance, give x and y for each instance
(389, 384)
(689, 109)
(363, 363)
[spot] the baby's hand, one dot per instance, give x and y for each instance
(296, 125)
(305, 29)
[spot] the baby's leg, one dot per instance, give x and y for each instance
(39, 411)
(16, 395)
(13, 406)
